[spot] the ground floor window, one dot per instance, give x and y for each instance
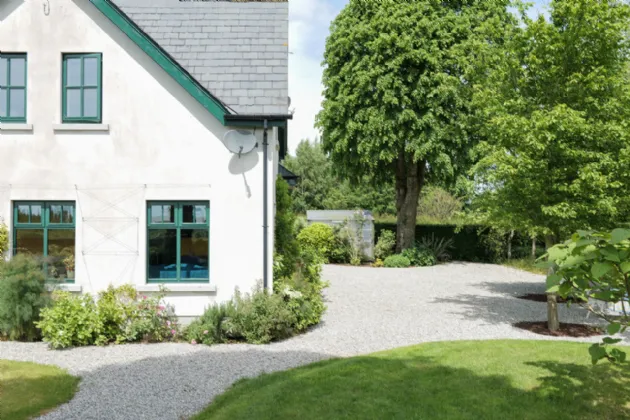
(47, 230)
(178, 241)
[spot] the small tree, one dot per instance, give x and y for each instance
(286, 245)
(595, 265)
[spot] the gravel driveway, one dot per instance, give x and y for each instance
(368, 310)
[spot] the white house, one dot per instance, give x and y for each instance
(113, 156)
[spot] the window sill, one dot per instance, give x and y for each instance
(80, 127)
(66, 287)
(178, 288)
(16, 127)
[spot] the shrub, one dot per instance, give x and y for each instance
(115, 307)
(209, 328)
(385, 244)
(397, 261)
(341, 251)
(378, 263)
(22, 296)
(152, 320)
(420, 257)
(439, 247)
(260, 317)
(319, 237)
(71, 321)
(285, 243)
(438, 204)
(4, 239)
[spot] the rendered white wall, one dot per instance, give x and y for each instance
(161, 145)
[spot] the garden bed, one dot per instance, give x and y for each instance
(542, 297)
(566, 330)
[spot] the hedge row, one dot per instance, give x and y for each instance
(473, 243)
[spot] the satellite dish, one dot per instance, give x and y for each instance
(240, 141)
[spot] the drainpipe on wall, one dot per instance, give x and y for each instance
(265, 210)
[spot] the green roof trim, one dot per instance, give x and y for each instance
(162, 58)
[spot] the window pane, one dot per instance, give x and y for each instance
(68, 214)
(3, 71)
(55, 214)
(200, 214)
(23, 212)
(73, 103)
(3, 102)
(29, 241)
(194, 254)
(90, 71)
(73, 72)
(36, 213)
(18, 108)
(188, 215)
(18, 71)
(156, 214)
(90, 100)
(61, 249)
(163, 254)
(169, 214)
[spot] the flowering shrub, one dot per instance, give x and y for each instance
(120, 315)
(209, 328)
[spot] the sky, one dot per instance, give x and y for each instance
(309, 22)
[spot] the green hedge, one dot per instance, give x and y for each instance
(471, 242)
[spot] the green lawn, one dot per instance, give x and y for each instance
(28, 389)
(453, 380)
(525, 264)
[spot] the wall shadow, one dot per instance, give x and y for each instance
(8, 6)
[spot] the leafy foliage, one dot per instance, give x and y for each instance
(398, 80)
(4, 238)
(385, 244)
(119, 315)
(439, 205)
(554, 114)
(285, 243)
(210, 327)
(22, 296)
(318, 237)
(420, 257)
(439, 247)
(260, 317)
(397, 261)
(595, 265)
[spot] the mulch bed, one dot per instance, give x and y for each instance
(541, 297)
(566, 330)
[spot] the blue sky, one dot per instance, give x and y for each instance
(309, 21)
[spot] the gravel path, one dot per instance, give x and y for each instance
(368, 310)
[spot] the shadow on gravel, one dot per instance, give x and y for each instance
(494, 309)
(171, 387)
(513, 288)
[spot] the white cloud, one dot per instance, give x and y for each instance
(309, 21)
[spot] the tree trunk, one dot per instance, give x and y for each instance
(409, 182)
(509, 247)
(553, 319)
(534, 248)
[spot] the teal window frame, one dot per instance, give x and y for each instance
(177, 225)
(99, 89)
(9, 87)
(45, 224)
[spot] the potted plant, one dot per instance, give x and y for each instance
(68, 262)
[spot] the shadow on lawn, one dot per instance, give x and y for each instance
(421, 388)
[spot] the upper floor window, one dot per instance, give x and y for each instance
(82, 88)
(13, 88)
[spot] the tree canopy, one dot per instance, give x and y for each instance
(398, 82)
(555, 113)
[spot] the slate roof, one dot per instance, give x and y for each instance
(236, 50)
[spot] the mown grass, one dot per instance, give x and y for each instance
(525, 264)
(28, 390)
(452, 380)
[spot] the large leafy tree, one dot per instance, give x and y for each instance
(398, 79)
(556, 123)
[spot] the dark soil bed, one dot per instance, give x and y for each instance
(541, 297)
(566, 330)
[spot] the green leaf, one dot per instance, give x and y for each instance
(585, 242)
(553, 280)
(597, 353)
(613, 328)
(608, 340)
(619, 235)
(625, 267)
(618, 355)
(600, 269)
(553, 289)
(558, 252)
(584, 233)
(610, 253)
